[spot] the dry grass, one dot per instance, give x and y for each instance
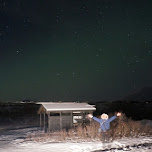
(122, 127)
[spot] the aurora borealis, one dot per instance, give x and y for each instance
(74, 49)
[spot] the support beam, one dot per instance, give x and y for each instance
(71, 118)
(44, 122)
(40, 120)
(49, 123)
(91, 112)
(60, 120)
(81, 117)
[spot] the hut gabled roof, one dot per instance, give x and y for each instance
(65, 106)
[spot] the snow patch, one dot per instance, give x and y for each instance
(14, 141)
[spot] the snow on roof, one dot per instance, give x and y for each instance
(67, 106)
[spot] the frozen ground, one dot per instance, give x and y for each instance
(13, 141)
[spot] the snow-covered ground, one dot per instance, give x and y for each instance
(13, 140)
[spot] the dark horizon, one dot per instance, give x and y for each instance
(140, 95)
(74, 50)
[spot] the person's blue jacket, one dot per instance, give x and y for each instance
(104, 123)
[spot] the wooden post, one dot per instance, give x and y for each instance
(71, 118)
(60, 120)
(92, 114)
(49, 127)
(44, 121)
(81, 117)
(40, 120)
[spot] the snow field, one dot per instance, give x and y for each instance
(120, 145)
(14, 141)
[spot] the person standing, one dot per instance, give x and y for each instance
(104, 124)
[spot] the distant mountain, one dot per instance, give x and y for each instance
(144, 94)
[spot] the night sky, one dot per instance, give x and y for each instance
(72, 50)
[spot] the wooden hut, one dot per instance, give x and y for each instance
(54, 116)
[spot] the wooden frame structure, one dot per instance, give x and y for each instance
(63, 114)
